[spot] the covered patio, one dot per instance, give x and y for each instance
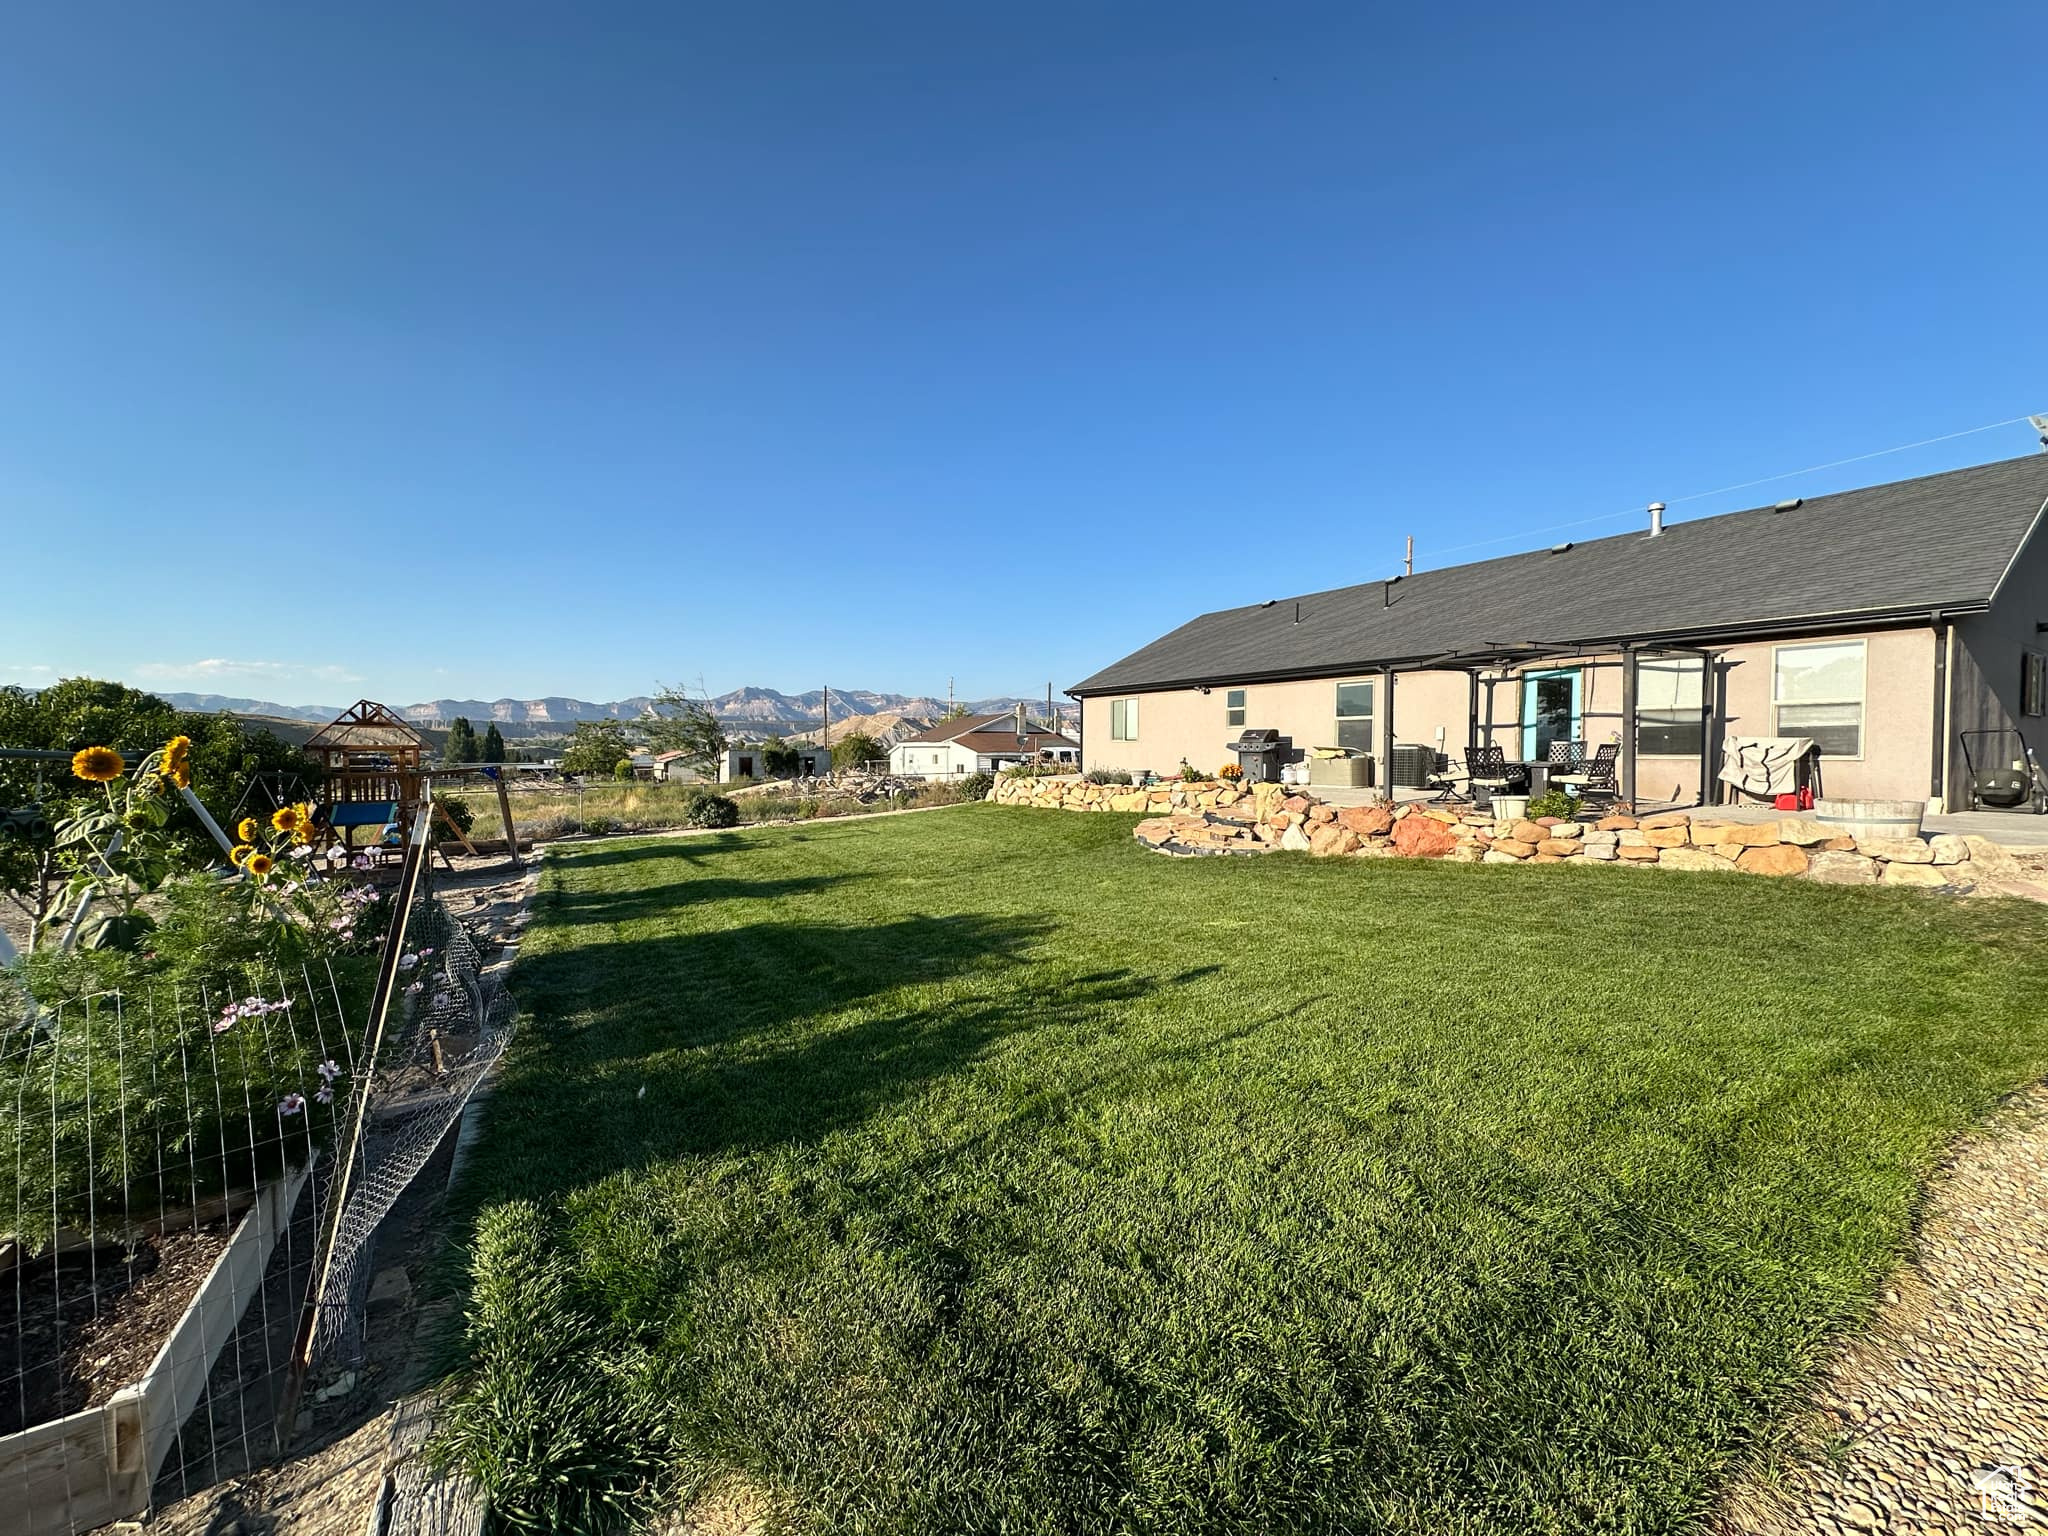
(1526, 731)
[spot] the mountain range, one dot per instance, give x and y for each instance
(750, 709)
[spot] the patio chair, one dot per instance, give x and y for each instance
(1488, 768)
(1564, 759)
(1444, 775)
(1595, 780)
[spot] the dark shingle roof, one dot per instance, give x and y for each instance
(1942, 541)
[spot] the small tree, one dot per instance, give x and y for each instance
(596, 748)
(679, 723)
(622, 770)
(851, 750)
(779, 760)
(461, 746)
(494, 744)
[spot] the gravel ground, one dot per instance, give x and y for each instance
(1951, 1381)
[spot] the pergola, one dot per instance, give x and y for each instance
(369, 754)
(1507, 661)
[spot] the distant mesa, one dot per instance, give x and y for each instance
(750, 709)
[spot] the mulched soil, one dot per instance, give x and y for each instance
(1950, 1384)
(89, 1322)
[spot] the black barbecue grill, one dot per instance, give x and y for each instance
(1258, 753)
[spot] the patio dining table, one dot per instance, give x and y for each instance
(1538, 770)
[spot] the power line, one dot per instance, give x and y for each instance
(1743, 485)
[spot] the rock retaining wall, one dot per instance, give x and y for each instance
(1217, 817)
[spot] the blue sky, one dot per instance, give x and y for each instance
(510, 349)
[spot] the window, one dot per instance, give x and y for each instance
(1817, 691)
(1123, 719)
(1354, 716)
(1233, 706)
(2033, 683)
(1669, 696)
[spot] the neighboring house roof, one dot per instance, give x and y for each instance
(974, 732)
(1943, 541)
(668, 757)
(1007, 743)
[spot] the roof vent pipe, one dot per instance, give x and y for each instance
(1656, 518)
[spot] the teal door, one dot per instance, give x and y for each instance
(1550, 711)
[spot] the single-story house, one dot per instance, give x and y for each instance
(741, 760)
(981, 744)
(1878, 623)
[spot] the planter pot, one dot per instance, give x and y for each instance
(97, 1465)
(1510, 807)
(1871, 818)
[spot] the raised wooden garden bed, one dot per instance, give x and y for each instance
(96, 1465)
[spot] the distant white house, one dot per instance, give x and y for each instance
(742, 760)
(981, 744)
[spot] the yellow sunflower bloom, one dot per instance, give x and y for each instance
(97, 765)
(240, 851)
(258, 864)
(177, 761)
(285, 818)
(249, 830)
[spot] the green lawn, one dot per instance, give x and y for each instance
(978, 1171)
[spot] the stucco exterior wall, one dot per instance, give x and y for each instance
(1985, 664)
(1431, 709)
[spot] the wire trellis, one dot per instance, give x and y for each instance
(162, 1145)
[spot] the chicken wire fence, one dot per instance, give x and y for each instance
(198, 1184)
(451, 1021)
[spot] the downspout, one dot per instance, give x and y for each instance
(1944, 669)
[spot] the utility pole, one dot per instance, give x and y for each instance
(828, 718)
(949, 698)
(1408, 564)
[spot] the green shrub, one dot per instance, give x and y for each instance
(1554, 803)
(563, 1425)
(458, 811)
(976, 786)
(1106, 776)
(598, 826)
(622, 770)
(712, 811)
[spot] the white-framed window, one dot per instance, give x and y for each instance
(1817, 691)
(2033, 683)
(1670, 693)
(1123, 719)
(1233, 706)
(1354, 716)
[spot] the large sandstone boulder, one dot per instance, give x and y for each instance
(1417, 837)
(1804, 831)
(1636, 852)
(1665, 819)
(1694, 859)
(1672, 836)
(1557, 847)
(1898, 850)
(1367, 820)
(1837, 867)
(1615, 823)
(1327, 839)
(1756, 834)
(1777, 859)
(1511, 848)
(1294, 840)
(1993, 860)
(1947, 848)
(1914, 874)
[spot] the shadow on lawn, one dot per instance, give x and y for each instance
(699, 1043)
(569, 909)
(686, 848)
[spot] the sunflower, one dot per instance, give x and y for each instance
(241, 850)
(258, 864)
(249, 830)
(97, 765)
(177, 761)
(285, 818)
